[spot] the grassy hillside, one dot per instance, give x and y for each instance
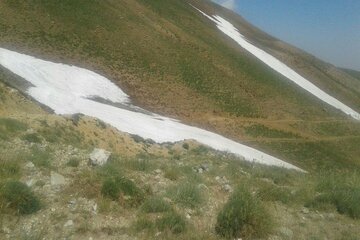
(173, 61)
(353, 73)
(152, 191)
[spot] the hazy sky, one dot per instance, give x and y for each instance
(328, 29)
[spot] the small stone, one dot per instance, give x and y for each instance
(56, 179)
(158, 171)
(286, 232)
(30, 165)
(227, 188)
(94, 208)
(205, 167)
(200, 170)
(30, 182)
(99, 157)
(188, 216)
(305, 211)
(217, 178)
(69, 223)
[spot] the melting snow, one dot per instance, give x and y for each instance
(231, 31)
(69, 90)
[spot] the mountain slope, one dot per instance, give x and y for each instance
(171, 60)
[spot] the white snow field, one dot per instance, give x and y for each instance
(231, 31)
(69, 90)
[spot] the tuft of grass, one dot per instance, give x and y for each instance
(140, 164)
(9, 127)
(41, 157)
(32, 137)
(172, 222)
(172, 174)
(186, 146)
(110, 189)
(243, 216)
(186, 194)
(73, 162)
(341, 190)
(9, 169)
(155, 205)
(142, 224)
(19, 197)
(117, 186)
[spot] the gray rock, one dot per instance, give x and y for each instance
(305, 211)
(30, 182)
(286, 232)
(227, 188)
(30, 165)
(56, 179)
(99, 157)
(69, 223)
(158, 171)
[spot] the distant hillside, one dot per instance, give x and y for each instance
(354, 73)
(172, 60)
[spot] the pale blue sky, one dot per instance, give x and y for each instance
(328, 29)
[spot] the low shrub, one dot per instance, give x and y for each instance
(19, 197)
(173, 222)
(155, 205)
(243, 216)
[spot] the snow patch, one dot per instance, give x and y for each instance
(231, 31)
(70, 90)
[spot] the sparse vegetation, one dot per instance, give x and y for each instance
(339, 190)
(118, 186)
(19, 197)
(41, 157)
(155, 205)
(243, 216)
(73, 162)
(32, 137)
(9, 127)
(172, 222)
(186, 194)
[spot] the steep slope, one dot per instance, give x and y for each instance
(173, 61)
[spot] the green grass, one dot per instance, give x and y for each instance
(19, 197)
(186, 194)
(172, 173)
(120, 186)
(73, 162)
(41, 157)
(172, 222)
(61, 133)
(341, 190)
(155, 205)
(257, 130)
(243, 216)
(32, 137)
(9, 127)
